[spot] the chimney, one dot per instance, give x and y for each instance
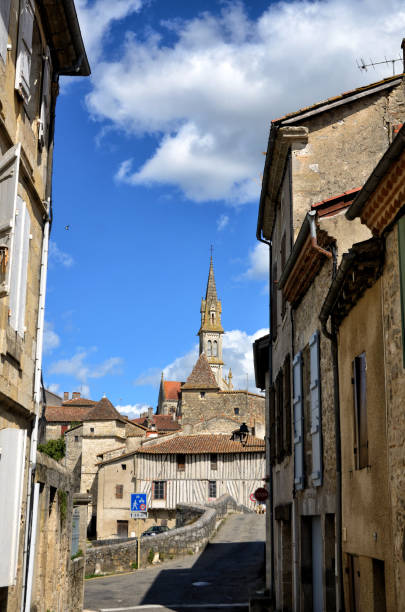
(150, 412)
(65, 396)
(75, 394)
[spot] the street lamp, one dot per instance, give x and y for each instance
(241, 434)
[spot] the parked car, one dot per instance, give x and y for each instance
(155, 530)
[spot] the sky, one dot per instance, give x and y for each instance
(159, 155)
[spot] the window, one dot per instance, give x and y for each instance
(360, 411)
(63, 429)
(123, 466)
(283, 261)
(24, 49)
(119, 491)
(236, 410)
(287, 405)
(181, 463)
(76, 438)
(159, 489)
(91, 429)
(215, 348)
(212, 488)
(209, 348)
(214, 461)
(202, 394)
(273, 302)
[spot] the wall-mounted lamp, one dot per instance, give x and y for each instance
(241, 434)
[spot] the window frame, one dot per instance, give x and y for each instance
(360, 415)
(214, 462)
(181, 462)
(159, 490)
(119, 491)
(212, 488)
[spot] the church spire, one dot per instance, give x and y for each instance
(211, 293)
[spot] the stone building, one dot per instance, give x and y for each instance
(365, 305)
(58, 418)
(316, 160)
(169, 395)
(103, 429)
(161, 423)
(38, 43)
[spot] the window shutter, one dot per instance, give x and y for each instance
(360, 406)
(45, 101)
(298, 423)
(272, 424)
(9, 168)
(316, 421)
(287, 405)
(24, 50)
(279, 416)
(4, 23)
(19, 267)
(273, 302)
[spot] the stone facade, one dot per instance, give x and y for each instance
(325, 151)
(29, 89)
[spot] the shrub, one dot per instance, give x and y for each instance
(54, 448)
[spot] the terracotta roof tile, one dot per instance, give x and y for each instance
(203, 443)
(171, 389)
(163, 422)
(202, 376)
(103, 411)
(79, 401)
(69, 414)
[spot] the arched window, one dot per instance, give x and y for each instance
(212, 317)
(215, 348)
(209, 348)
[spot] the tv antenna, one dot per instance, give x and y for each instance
(361, 65)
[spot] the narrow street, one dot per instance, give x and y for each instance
(221, 577)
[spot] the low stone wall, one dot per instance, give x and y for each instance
(76, 582)
(195, 524)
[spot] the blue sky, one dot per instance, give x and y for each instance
(159, 154)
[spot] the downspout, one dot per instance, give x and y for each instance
(314, 242)
(332, 336)
(271, 513)
(32, 487)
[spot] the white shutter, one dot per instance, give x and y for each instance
(24, 50)
(316, 426)
(298, 423)
(4, 23)
(18, 275)
(9, 168)
(45, 102)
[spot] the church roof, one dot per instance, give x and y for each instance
(211, 293)
(171, 389)
(202, 376)
(202, 444)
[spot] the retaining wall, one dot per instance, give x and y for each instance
(195, 524)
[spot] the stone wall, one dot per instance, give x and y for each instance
(185, 539)
(232, 404)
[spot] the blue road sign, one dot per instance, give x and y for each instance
(138, 502)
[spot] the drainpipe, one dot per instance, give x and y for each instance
(271, 513)
(314, 242)
(332, 337)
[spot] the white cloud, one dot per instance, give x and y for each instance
(78, 367)
(51, 338)
(54, 388)
(237, 355)
(208, 96)
(133, 411)
(96, 19)
(222, 222)
(59, 257)
(258, 266)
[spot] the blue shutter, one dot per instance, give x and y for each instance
(316, 421)
(9, 167)
(298, 423)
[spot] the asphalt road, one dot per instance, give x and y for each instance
(222, 577)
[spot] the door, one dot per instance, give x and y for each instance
(317, 591)
(122, 529)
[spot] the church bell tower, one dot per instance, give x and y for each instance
(211, 330)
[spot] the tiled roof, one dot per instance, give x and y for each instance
(79, 401)
(69, 414)
(163, 422)
(103, 411)
(203, 443)
(365, 90)
(171, 389)
(202, 376)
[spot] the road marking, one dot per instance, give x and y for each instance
(216, 606)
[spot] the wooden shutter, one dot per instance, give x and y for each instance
(45, 101)
(360, 411)
(298, 423)
(273, 302)
(19, 267)
(279, 416)
(316, 421)
(272, 424)
(287, 405)
(4, 23)
(24, 49)
(9, 168)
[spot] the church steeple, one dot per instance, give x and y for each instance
(211, 330)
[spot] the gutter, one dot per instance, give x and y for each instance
(270, 147)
